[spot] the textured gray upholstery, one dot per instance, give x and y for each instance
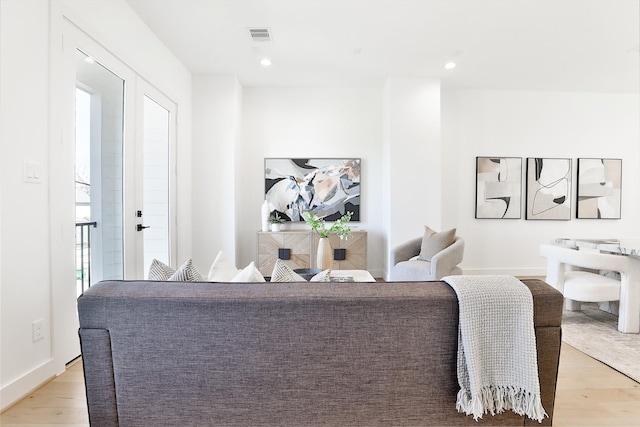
(444, 263)
(285, 354)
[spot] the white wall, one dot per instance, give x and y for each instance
(25, 283)
(535, 124)
(413, 136)
(398, 125)
(28, 282)
(316, 122)
(216, 137)
(310, 122)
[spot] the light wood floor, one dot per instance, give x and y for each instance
(589, 393)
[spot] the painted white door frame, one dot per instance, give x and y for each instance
(61, 163)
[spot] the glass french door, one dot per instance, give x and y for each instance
(124, 172)
(99, 172)
(156, 178)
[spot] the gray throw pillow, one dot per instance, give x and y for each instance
(187, 272)
(433, 242)
(160, 271)
(283, 273)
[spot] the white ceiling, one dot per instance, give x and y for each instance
(559, 45)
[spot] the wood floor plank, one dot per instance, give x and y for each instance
(589, 393)
(60, 402)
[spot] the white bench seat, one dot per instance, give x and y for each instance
(590, 287)
(575, 273)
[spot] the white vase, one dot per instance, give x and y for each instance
(324, 257)
(275, 226)
(265, 216)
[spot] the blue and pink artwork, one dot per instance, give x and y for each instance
(325, 187)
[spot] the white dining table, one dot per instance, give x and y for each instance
(629, 247)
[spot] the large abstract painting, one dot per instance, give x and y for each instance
(548, 189)
(599, 188)
(498, 187)
(326, 187)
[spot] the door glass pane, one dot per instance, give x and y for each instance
(99, 171)
(155, 183)
(83, 191)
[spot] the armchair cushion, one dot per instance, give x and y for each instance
(434, 242)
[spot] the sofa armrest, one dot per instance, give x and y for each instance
(406, 250)
(99, 381)
(444, 261)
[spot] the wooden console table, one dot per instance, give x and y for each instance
(298, 249)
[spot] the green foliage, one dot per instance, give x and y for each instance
(276, 219)
(340, 226)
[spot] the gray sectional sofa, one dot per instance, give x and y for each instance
(286, 354)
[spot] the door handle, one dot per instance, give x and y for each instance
(141, 227)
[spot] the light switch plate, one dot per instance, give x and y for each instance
(31, 172)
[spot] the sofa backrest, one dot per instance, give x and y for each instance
(299, 354)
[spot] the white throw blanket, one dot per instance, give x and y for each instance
(497, 361)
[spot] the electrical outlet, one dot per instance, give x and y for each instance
(37, 330)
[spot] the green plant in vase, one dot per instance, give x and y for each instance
(324, 257)
(340, 226)
(276, 221)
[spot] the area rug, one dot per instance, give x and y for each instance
(595, 333)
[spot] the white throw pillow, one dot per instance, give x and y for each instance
(283, 273)
(249, 274)
(222, 270)
(323, 276)
(160, 271)
(186, 273)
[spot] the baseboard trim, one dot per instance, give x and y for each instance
(520, 272)
(19, 388)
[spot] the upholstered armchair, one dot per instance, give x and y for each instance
(406, 266)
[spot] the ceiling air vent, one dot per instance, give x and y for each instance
(260, 34)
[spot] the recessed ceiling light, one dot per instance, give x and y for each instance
(265, 62)
(450, 65)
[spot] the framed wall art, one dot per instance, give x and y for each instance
(325, 187)
(498, 187)
(599, 188)
(548, 186)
